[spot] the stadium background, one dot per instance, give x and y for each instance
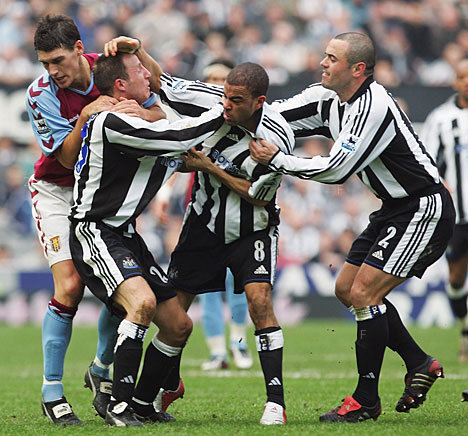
(418, 42)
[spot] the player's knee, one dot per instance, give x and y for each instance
(144, 308)
(342, 293)
(185, 329)
(359, 296)
(177, 331)
(69, 291)
(259, 299)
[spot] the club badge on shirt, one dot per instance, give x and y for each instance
(56, 243)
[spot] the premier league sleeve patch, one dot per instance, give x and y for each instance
(179, 86)
(42, 127)
(350, 143)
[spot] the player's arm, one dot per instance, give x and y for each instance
(303, 111)
(67, 153)
(132, 108)
(197, 161)
(54, 133)
(139, 138)
(125, 44)
(349, 154)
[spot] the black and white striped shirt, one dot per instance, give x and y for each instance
(223, 211)
(373, 138)
(124, 161)
(445, 132)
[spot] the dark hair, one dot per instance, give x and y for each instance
(361, 49)
(107, 70)
(55, 31)
(250, 75)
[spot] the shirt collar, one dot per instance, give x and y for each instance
(362, 89)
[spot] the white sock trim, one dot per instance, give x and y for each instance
(143, 403)
(455, 293)
(352, 310)
(168, 350)
(369, 312)
(132, 330)
(269, 341)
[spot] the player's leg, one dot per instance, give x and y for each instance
(213, 327)
(139, 303)
(238, 326)
(399, 339)
(56, 334)
(161, 356)
(368, 289)
(269, 340)
(97, 376)
(50, 208)
(108, 263)
(173, 386)
(252, 261)
(392, 257)
(457, 257)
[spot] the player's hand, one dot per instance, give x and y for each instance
(101, 104)
(196, 160)
(262, 151)
(124, 44)
(129, 107)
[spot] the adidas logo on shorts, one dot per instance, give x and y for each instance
(261, 270)
(378, 254)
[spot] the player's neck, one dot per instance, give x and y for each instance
(462, 101)
(83, 79)
(346, 93)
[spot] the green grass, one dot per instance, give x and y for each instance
(319, 370)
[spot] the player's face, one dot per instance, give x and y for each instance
(239, 105)
(63, 65)
(461, 82)
(336, 73)
(138, 85)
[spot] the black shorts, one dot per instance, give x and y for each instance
(407, 235)
(458, 244)
(199, 261)
(104, 258)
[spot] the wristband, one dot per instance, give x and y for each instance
(136, 49)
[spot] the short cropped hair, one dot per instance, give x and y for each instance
(55, 31)
(107, 70)
(361, 49)
(250, 75)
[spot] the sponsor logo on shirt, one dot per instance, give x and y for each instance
(171, 162)
(350, 143)
(227, 165)
(41, 127)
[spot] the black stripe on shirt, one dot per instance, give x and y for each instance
(275, 127)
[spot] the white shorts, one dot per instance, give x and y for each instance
(50, 209)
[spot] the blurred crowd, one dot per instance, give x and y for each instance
(418, 42)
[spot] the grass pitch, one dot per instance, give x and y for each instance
(319, 371)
